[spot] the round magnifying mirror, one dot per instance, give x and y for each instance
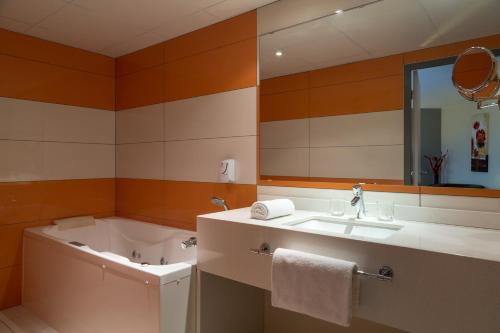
(475, 74)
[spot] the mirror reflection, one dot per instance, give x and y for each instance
(338, 95)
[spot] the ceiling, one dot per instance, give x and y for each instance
(381, 28)
(116, 27)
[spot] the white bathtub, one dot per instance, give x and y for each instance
(114, 281)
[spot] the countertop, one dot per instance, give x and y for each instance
(478, 243)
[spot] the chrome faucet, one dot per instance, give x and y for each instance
(219, 202)
(358, 201)
(190, 242)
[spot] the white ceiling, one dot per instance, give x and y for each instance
(116, 27)
(376, 30)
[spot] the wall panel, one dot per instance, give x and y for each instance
(209, 101)
(140, 88)
(54, 124)
(32, 80)
(223, 69)
(28, 47)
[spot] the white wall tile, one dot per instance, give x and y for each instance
(284, 134)
(64, 123)
(21, 119)
(142, 124)
(198, 160)
(226, 114)
(140, 160)
(78, 160)
(458, 202)
(378, 162)
(374, 128)
(21, 161)
(284, 162)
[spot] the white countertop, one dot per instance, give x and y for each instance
(478, 243)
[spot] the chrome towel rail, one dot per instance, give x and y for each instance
(385, 273)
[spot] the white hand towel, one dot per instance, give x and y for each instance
(270, 209)
(318, 286)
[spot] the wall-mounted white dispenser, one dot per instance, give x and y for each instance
(227, 172)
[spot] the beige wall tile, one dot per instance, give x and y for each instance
(381, 162)
(198, 160)
(284, 134)
(140, 160)
(226, 114)
(284, 162)
(375, 128)
(142, 124)
(21, 161)
(78, 160)
(21, 119)
(64, 123)
(462, 203)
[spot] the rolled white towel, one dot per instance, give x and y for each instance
(270, 209)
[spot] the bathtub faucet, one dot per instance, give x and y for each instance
(192, 241)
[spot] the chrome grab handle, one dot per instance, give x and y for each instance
(385, 273)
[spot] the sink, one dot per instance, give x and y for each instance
(349, 227)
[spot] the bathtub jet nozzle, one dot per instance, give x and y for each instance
(219, 202)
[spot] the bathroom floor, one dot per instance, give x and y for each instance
(20, 320)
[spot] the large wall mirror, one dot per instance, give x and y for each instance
(362, 91)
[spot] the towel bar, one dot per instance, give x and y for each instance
(385, 273)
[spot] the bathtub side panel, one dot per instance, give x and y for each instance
(74, 295)
(178, 306)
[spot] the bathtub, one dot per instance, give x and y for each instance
(120, 275)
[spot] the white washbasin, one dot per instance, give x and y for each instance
(350, 227)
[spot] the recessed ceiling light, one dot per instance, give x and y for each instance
(279, 53)
(339, 11)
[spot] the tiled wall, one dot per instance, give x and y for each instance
(183, 106)
(361, 146)
(56, 142)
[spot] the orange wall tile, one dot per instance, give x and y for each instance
(186, 200)
(140, 88)
(78, 197)
(140, 198)
(383, 94)
(32, 48)
(285, 83)
(33, 80)
(227, 68)
(46, 200)
(176, 203)
(284, 106)
(227, 32)
(10, 286)
(217, 58)
(20, 202)
(140, 60)
(358, 71)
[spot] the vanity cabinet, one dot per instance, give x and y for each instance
(430, 291)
